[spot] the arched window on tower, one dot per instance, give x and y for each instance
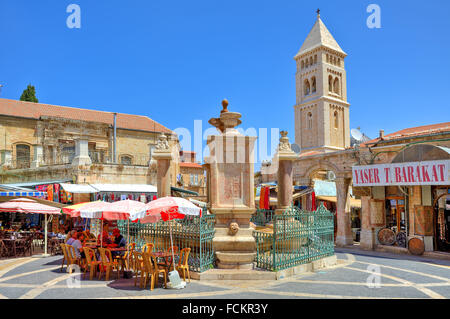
(311, 61)
(313, 84)
(336, 119)
(315, 59)
(339, 62)
(306, 63)
(330, 83)
(303, 65)
(306, 87)
(328, 58)
(336, 86)
(309, 120)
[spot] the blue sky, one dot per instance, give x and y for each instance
(174, 61)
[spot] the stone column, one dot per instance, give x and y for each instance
(367, 241)
(38, 156)
(344, 232)
(285, 158)
(163, 156)
(81, 153)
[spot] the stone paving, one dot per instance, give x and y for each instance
(400, 277)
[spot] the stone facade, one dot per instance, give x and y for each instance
(66, 148)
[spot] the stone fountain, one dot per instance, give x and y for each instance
(231, 191)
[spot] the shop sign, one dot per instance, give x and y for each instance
(414, 173)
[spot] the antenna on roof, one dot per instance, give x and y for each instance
(1, 85)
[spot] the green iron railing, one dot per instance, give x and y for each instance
(262, 216)
(194, 232)
(298, 237)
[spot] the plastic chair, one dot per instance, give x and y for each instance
(148, 271)
(183, 263)
(91, 262)
(72, 258)
(157, 270)
(138, 267)
(123, 260)
(148, 248)
(107, 263)
(168, 261)
(65, 257)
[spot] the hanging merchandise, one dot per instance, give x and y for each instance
(56, 193)
(313, 201)
(261, 197)
(50, 193)
(267, 198)
(123, 197)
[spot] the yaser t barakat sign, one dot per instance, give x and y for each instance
(414, 173)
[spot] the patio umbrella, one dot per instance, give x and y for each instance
(122, 210)
(29, 206)
(167, 209)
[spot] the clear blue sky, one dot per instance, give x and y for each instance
(174, 61)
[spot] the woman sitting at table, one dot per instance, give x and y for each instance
(106, 239)
(70, 237)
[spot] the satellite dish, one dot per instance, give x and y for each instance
(356, 137)
(295, 148)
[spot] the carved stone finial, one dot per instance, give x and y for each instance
(318, 13)
(284, 142)
(163, 143)
(225, 106)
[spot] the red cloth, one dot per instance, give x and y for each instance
(267, 198)
(155, 198)
(261, 198)
(313, 201)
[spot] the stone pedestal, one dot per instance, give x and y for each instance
(231, 191)
(81, 153)
(163, 157)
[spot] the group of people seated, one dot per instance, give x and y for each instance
(80, 239)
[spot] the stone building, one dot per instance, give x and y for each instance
(192, 174)
(48, 142)
(322, 131)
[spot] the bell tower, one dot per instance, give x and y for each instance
(321, 111)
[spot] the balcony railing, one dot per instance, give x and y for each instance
(66, 158)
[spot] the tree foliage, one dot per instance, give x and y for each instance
(29, 94)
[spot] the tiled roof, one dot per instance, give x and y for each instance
(36, 110)
(413, 132)
(191, 165)
(310, 153)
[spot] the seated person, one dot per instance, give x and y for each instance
(106, 239)
(76, 243)
(119, 240)
(88, 236)
(73, 237)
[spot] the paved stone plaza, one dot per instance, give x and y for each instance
(401, 277)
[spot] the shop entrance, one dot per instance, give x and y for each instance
(442, 222)
(395, 213)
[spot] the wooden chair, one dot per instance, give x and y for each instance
(107, 263)
(4, 251)
(157, 270)
(73, 259)
(65, 257)
(124, 260)
(183, 263)
(91, 262)
(148, 248)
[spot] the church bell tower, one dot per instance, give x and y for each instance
(321, 111)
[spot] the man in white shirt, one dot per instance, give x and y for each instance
(78, 246)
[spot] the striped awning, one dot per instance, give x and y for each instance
(17, 194)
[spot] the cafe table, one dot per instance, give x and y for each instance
(164, 255)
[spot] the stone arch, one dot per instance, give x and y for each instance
(22, 154)
(330, 83)
(336, 88)
(336, 119)
(313, 84)
(323, 165)
(306, 87)
(422, 152)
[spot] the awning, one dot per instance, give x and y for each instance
(33, 184)
(110, 188)
(356, 203)
(7, 190)
(182, 190)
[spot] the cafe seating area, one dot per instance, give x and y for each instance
(147, 266)
(15, 244)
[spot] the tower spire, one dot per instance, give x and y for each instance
(318, 13)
